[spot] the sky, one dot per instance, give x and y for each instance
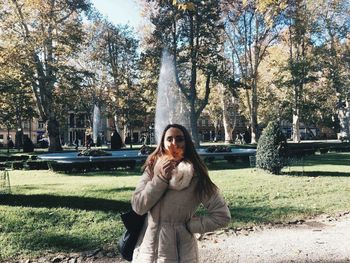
(119, 11)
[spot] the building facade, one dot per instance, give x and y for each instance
(77, 129)
(34, 129)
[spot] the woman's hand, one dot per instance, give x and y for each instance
(164, 166)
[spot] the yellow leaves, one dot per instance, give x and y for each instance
(188, 6)
(35, 4)
(264, 5)
(275, 5)
(184, 6)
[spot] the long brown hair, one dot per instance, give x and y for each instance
(204, 187)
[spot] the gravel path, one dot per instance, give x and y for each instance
(322, 239)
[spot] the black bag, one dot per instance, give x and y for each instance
(133, 223)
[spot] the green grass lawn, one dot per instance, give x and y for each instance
(53, 212)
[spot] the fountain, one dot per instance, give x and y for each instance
(96, 124)
(171, 106)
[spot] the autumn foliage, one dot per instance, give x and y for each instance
(174, 153)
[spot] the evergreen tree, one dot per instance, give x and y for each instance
(271, 149)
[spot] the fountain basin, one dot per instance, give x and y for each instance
(128, 155)
(234, 152)
(73, 157)
(72, 161)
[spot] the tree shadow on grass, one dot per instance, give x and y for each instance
(45, 237)
(111, 191)
(224, 165)
(39, 241)
(260, 215)
(115, 173)
(73, 202)
(325, 159)
(315, 173)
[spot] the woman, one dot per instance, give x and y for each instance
(170, 190)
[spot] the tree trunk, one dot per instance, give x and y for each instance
(53, 130)
(194, 129)
(344, 116)
(229, 125)
(296, 126)
(296, 116)
(8, 139)
(124, 133)
(254, 115)
(19, 139)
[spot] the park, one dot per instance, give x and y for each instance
(262, 87)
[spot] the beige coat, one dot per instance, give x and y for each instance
(167, 235)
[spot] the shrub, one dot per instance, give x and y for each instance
(10, 144)
(94, 152)
(37, 165)
(116, 141)
(98, 141)
(18, 165)
(271, 149)
(28, 145)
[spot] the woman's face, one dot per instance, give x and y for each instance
(174, 136)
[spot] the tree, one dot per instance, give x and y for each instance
(192, 33)
(333, 27)
(16, 102)
(223, 109)
(251, 27)
(214, 108)
(112, 57)
(300, 65)
(274, 101)
(45, 34)
(271, 149)
(7, 117)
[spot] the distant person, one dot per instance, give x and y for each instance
(174, 183)
(89, 142)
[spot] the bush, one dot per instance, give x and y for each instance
(18, 165)
(98, 141)
(28, 145)
(116, 141)
(94, 152)
(10, 144)
(271, 149)
(37, 165)
(43, 143)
